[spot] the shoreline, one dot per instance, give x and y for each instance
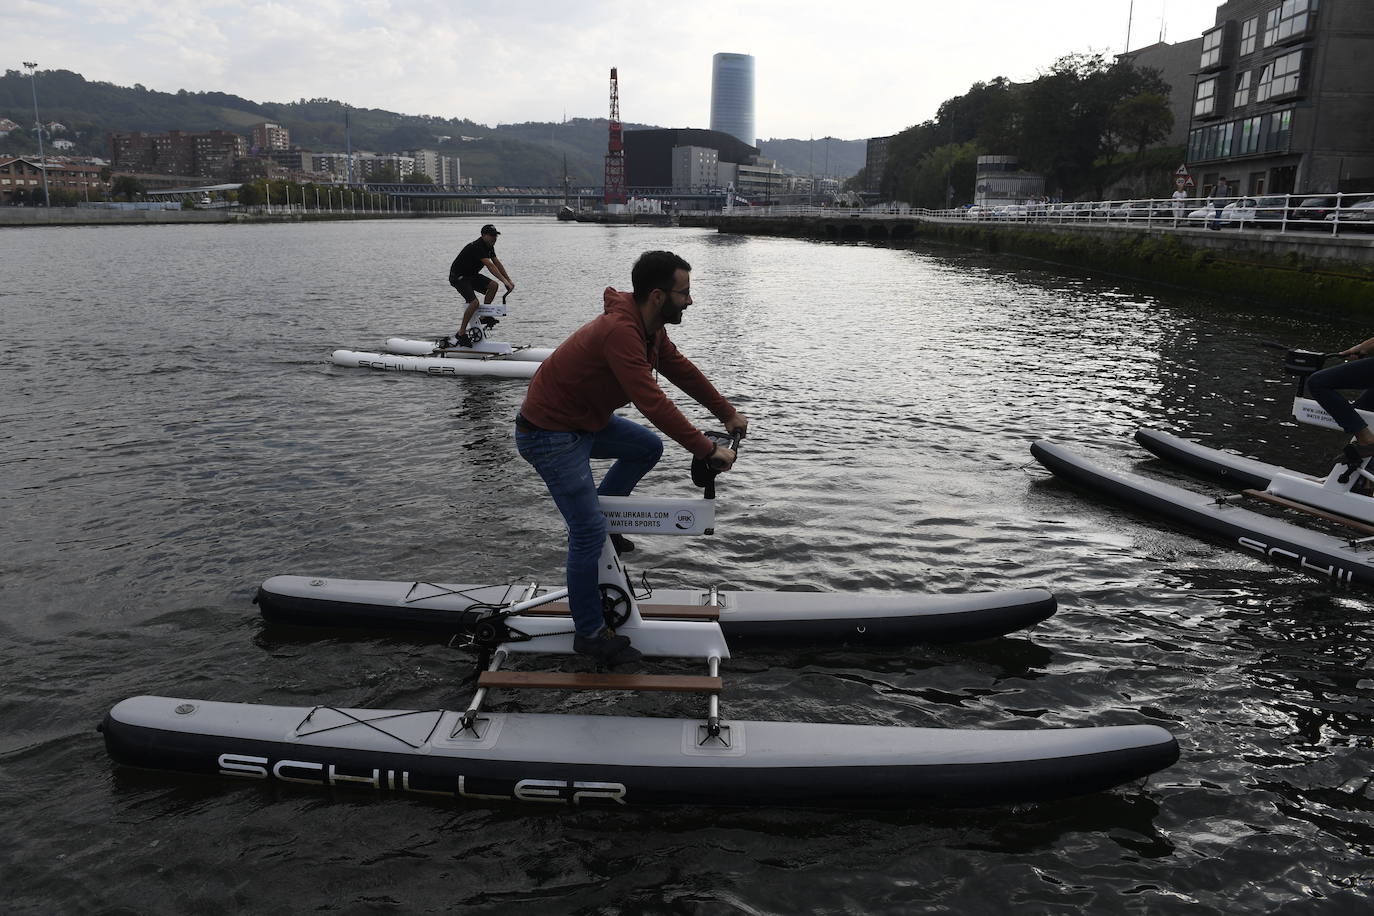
(19, 217)
(1306, 270)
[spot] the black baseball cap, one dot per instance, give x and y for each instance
(489, 229)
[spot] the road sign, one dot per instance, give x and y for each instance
(1181, 171)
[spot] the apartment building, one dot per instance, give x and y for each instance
(1282, 98)
(268, 136)
(202, 155)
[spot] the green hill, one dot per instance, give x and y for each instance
(507, 154)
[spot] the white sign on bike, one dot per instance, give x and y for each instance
(658, 515)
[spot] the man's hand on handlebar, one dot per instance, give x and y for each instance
(737, 425)
(722, 459)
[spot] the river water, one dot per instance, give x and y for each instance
(173, 434)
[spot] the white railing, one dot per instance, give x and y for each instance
(1332, 214)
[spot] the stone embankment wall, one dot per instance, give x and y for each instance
(1309, 270)
(82, 216)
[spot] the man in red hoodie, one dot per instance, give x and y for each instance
(568, 418)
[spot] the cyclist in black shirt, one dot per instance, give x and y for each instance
(465, 275)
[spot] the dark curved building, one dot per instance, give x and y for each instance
(649, 153)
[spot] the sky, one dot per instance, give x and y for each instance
(852, 70)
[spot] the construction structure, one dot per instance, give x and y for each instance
(614, 198)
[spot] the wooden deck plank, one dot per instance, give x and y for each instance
(1309, 510)
(558, 680)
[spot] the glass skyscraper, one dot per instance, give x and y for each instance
(732, 96)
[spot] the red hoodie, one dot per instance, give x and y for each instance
(610, 362)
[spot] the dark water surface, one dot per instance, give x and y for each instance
(173, 434)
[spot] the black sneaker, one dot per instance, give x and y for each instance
(608, 650)
(622, 544)
(464, 339)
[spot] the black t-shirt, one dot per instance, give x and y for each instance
(469, 260)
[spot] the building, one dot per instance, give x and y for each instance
(1000, 181)
(649, 154)
(695, 167)
(445, 170)
(202, 155)
(1176, 64)
(21, 178)
(875, 162)
(760, 182)
(268, 136)
(732, 96)
(1282, 98)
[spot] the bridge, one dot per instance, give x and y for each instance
(557, 192)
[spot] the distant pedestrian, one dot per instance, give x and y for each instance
(1179, 197)
(465, 275)
(1213, 214)
(1223, 187)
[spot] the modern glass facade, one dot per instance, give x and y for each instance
(732, 96)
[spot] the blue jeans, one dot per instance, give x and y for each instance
(1355, 374)
(563, 461)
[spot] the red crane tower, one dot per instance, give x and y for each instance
(615, 150)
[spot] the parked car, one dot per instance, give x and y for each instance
(1360, 215)
(1241, 210)
(1312, 211)
(1271, 209)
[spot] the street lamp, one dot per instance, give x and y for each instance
(38, 125)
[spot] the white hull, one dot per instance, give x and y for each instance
(500, 367)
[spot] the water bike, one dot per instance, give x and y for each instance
(480, 356)
(1343, 552)
(453, 610)
(474, 752)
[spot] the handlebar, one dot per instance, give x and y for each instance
(704, 472)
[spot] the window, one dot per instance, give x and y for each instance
(1242, 94)
(1205, 100)
(1249, 30)
(1280, 76)
(1291, 18)
(1262, 134)
(1211, 49)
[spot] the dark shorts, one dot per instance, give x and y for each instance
(469, 287)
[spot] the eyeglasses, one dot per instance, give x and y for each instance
(685, 291)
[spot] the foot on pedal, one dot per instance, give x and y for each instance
(463, 339)
(1357, 452)
(609, 651)
(622, 544)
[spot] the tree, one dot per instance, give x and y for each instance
(251, 194)
(1141, 120)
(126, 187)
(418, 178)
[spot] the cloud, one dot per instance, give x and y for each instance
(866, 68)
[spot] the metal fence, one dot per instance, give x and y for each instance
(1332, 214)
